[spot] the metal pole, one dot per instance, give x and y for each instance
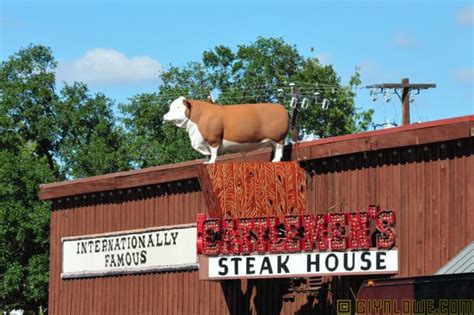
(294, 116)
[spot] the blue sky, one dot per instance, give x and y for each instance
(118, 47)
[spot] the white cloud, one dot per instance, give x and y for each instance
(465, 16)
(403, 40)
(109, 67)
(325, 58)
(464, 75)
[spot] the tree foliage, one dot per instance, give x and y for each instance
(24, 229)
(255, 73)
(44, 137)
(27, 86)
(150, 139)
(89, 141)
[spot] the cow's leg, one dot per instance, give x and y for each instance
(213, 155)
(278, 152)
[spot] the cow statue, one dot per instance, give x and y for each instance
(215, 129)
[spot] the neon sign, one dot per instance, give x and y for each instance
(296, 233)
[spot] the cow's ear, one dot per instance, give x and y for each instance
(187, 104)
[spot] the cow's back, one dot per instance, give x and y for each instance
(255, 122)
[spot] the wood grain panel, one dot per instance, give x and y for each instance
(255, 189)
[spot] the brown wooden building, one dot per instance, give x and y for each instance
(424, 172)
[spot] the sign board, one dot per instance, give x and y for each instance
(156, 249)
(298, 245)
(300, 264)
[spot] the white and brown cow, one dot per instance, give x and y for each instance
(217, 129)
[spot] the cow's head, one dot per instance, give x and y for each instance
(179, 112)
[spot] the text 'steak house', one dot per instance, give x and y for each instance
(127, 243)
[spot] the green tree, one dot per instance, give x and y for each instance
(28, 97)
(27, 146)
(150, 140)
(252, 73)
(255, 73)
(44, 137)
(24, 229)
(89, 140)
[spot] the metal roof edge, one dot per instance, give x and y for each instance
(464, 258)
(429, 132)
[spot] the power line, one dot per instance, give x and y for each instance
(238, 93)
(415, 104)
(384, 109)
(395, 111)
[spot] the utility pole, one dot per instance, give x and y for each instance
(299, 102)
(405, 87)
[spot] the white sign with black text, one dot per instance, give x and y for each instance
(164, 248)
(303, 264)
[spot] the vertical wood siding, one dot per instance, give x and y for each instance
(429, 186)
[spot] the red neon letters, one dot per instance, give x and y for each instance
(296, 233)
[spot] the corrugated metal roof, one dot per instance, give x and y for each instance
(461, 263)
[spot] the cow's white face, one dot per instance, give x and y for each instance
(177, 112)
